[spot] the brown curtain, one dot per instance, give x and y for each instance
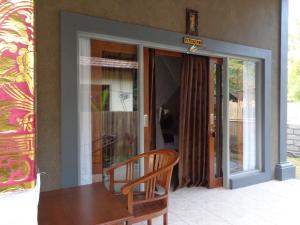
(152, 102)
(193, 134)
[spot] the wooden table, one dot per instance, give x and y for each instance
(83, 205)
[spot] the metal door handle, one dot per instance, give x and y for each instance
(146, 120)
(211, 118)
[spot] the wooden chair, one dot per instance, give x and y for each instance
(153, 200)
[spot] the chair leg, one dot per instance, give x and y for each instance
(149, 222)
(166, 219)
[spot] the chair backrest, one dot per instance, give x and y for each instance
(159, 165)
(161, 161)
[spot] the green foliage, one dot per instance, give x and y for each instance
(235, 76)
(105, 95)
(294, 81)
(294, 63)
(296, 162)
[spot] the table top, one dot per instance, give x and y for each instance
(83, 205)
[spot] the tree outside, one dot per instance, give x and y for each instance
(294, 52)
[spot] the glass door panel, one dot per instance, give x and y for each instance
(242, 115)
(108, 105)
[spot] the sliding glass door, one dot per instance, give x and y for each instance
(244, 116)
(108, 106)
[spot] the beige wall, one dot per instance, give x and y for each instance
(249, 22)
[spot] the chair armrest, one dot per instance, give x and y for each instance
(110, 171)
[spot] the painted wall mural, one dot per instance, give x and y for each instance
(17, 96)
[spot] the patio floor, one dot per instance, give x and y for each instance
(271, 203)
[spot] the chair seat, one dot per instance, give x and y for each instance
(141, 211)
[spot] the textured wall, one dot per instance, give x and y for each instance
(249, 22)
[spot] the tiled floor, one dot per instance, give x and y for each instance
(271, 203)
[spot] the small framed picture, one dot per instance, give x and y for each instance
(192, 22)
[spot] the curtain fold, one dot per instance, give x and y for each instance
(193, 125)
(152, 102)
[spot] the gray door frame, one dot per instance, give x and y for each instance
(225, 125)
(74, 24)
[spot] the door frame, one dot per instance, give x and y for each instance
(157, 52)
(146, 84)
(73, 25)
(214, 181)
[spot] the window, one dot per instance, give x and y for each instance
(108, 110)
(243, 116)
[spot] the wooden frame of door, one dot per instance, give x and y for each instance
(213, 181)
(158, 52)
(146, 101)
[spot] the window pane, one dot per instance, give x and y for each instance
(242, 116)
(108, 107)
